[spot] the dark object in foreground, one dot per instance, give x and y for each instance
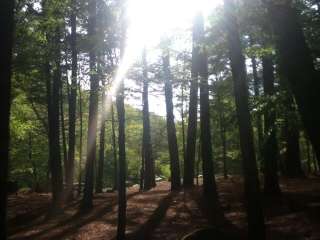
(12, 187)
(209, 234)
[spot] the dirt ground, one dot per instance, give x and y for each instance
(163, 215)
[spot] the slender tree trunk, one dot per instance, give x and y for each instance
(80, 140)
(54, 149)
(223, 136)
(122, 198)
(171, 127)
(209, 183)
(270, 147)
(63, 134)
(99, 180)
(297, 65)
(198, 163)
(6, 33)
(149, 176)
(256, 227)
(183, 123)
(114, 149)
(308, 156)
(192, 120)
(72, 103)
(93, 107)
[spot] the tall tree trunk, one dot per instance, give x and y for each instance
(193, 105)
(209, 183)
(122, 198)
(256, 227)
(99, 180)
(6, 33)
(256, 83)
(80, 139)
(63, 133)
(54, 148)
(114, 149)
(72, 103)
(93, 109)
(149, 176)
(297, 65)
(270, 147)
(171, 127)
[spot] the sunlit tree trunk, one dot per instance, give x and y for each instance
(93, 107)
(72, 103)
(6, 33)
(297, 65)
(114, 149)
(270, 147)
(100, 167)
(149, 174)
(192, 119)
(256, 227)
(171, 128)
(63, 133)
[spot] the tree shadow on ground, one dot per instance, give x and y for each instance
(146, 230)
(72, 223)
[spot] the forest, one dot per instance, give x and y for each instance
(160, 119)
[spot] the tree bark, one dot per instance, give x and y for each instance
(171, 127)
(6, 33)
(270, 147)
(149, 174)
(93, 107)
(255, 218)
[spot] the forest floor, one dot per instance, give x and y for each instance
(163, 215)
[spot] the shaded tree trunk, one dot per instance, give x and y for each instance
(6, 33)
(72, 104)
(149, 174)
(122, 198)
(63, 134)
(256, 227)
(171, 128)
(80, 139)
(209, 183)
(270, 147)
(54, 143)
(192, 119)
(93, 107)
(297, 65)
